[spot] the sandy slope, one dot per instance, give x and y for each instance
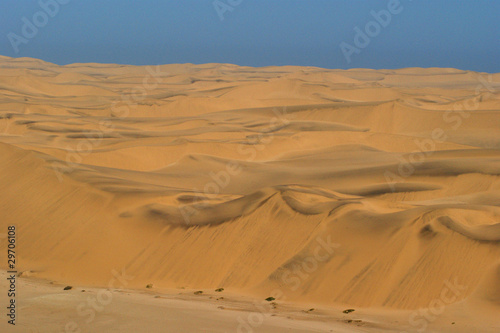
(363, 188)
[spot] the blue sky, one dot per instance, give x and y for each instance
(462, 34)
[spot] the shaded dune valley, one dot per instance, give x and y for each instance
(362, 189)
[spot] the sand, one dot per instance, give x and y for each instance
(376, 190)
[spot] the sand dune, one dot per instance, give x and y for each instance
(215, 175)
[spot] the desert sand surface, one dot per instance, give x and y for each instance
(373, 190)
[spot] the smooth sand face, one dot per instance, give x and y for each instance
(362, 188)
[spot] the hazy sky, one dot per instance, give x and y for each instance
(463, 34)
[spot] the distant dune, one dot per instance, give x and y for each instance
(365, 188)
